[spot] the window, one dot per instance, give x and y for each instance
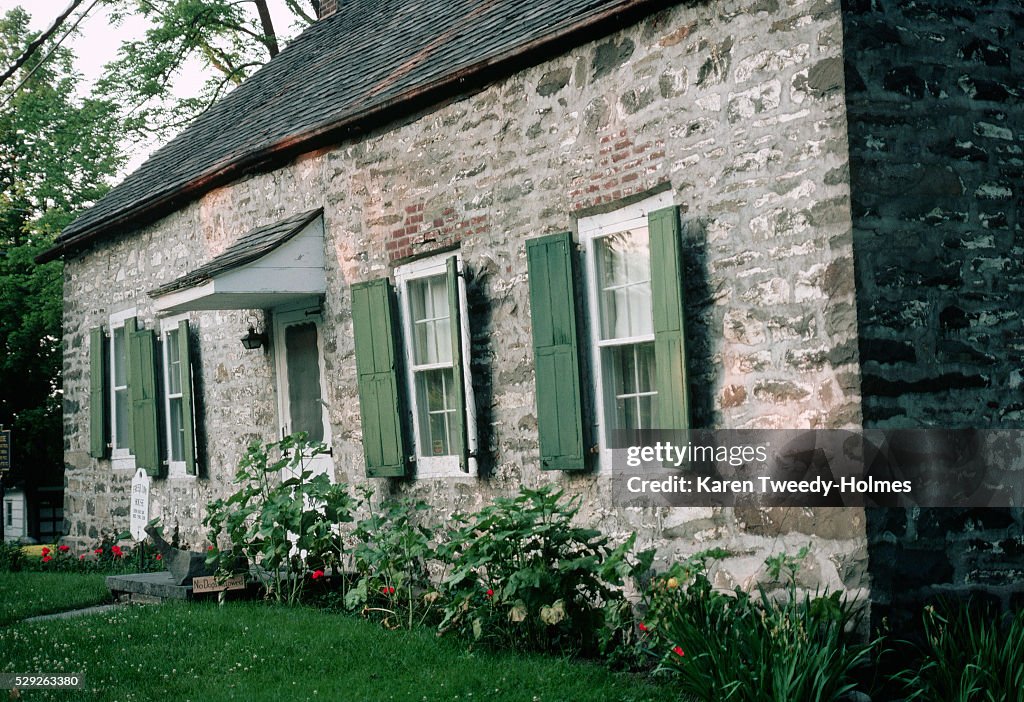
(626, 340)
(632, 301)
(176, 401)
(129, 416)
(122, 325)
(412, 364)
(432, 305)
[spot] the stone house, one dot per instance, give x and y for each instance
(471, 240)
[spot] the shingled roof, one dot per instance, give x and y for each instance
(370, 63)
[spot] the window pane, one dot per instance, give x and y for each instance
(120, 359)
(645, 367)
(177, 430)
(630, 376)
(435, 405)
(121, 418)
(428, 304)
(623, 366)
(303, 360)
(624, 273)
(173, 357)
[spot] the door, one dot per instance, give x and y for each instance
(301, 390)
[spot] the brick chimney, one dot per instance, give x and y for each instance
(328, 8)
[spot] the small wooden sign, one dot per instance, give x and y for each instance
(208, 583)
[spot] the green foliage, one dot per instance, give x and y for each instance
(733, 646)
(229, 40)
(282, 520)
(106, 557)
(971, 654)
(391, 553)
(522, 576)
(57, 153)
(12, 559)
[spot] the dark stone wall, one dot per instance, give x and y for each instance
(936, 130)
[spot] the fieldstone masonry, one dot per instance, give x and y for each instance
(936, 168)
(740, 110)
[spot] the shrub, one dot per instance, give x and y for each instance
(522, 576)
(11, 557)
(282, 520)
(107, 557)
(969, 655)
(390, 555)
(722, 646)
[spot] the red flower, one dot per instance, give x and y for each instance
(209, 548)
(317, 574)
(45, 551)
(490, 593)
(47, 558)
(678, 650)
(64, 548)
(82, 557)
(643, 627)
(98, 551)
(116, 550)
(385, 590)
(159, 557)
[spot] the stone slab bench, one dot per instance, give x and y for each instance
(147, 588)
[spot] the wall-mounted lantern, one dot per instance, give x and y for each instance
(254, 340)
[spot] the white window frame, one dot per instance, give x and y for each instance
(436, 466)
(591, 229)
(175, 469)
(283, 317)
(120, 458)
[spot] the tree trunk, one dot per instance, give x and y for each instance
(270, 37)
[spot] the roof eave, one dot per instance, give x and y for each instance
(465, 81)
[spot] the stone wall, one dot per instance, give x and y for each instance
(937, 161)
(736, 108)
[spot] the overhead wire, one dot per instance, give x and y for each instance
(34, 45)
(49, 53)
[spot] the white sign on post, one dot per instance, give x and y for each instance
(140, 505)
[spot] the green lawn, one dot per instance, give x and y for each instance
(247, 651)
(26, 594)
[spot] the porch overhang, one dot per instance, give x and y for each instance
(267, 267)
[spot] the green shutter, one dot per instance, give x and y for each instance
(667, 298)
(187, 404)
(99, 415)
(380, 400)
(142, 390)
(550, 262)
(130, 327)
(459, 390)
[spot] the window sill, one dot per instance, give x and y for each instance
(433, 469)
(123, 463)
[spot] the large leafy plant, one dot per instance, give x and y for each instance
(750, 647)
(391, 553)
(524, 576)
(971, 654)
(282, 520)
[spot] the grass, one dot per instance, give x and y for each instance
(27, 594)
(249, 651)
